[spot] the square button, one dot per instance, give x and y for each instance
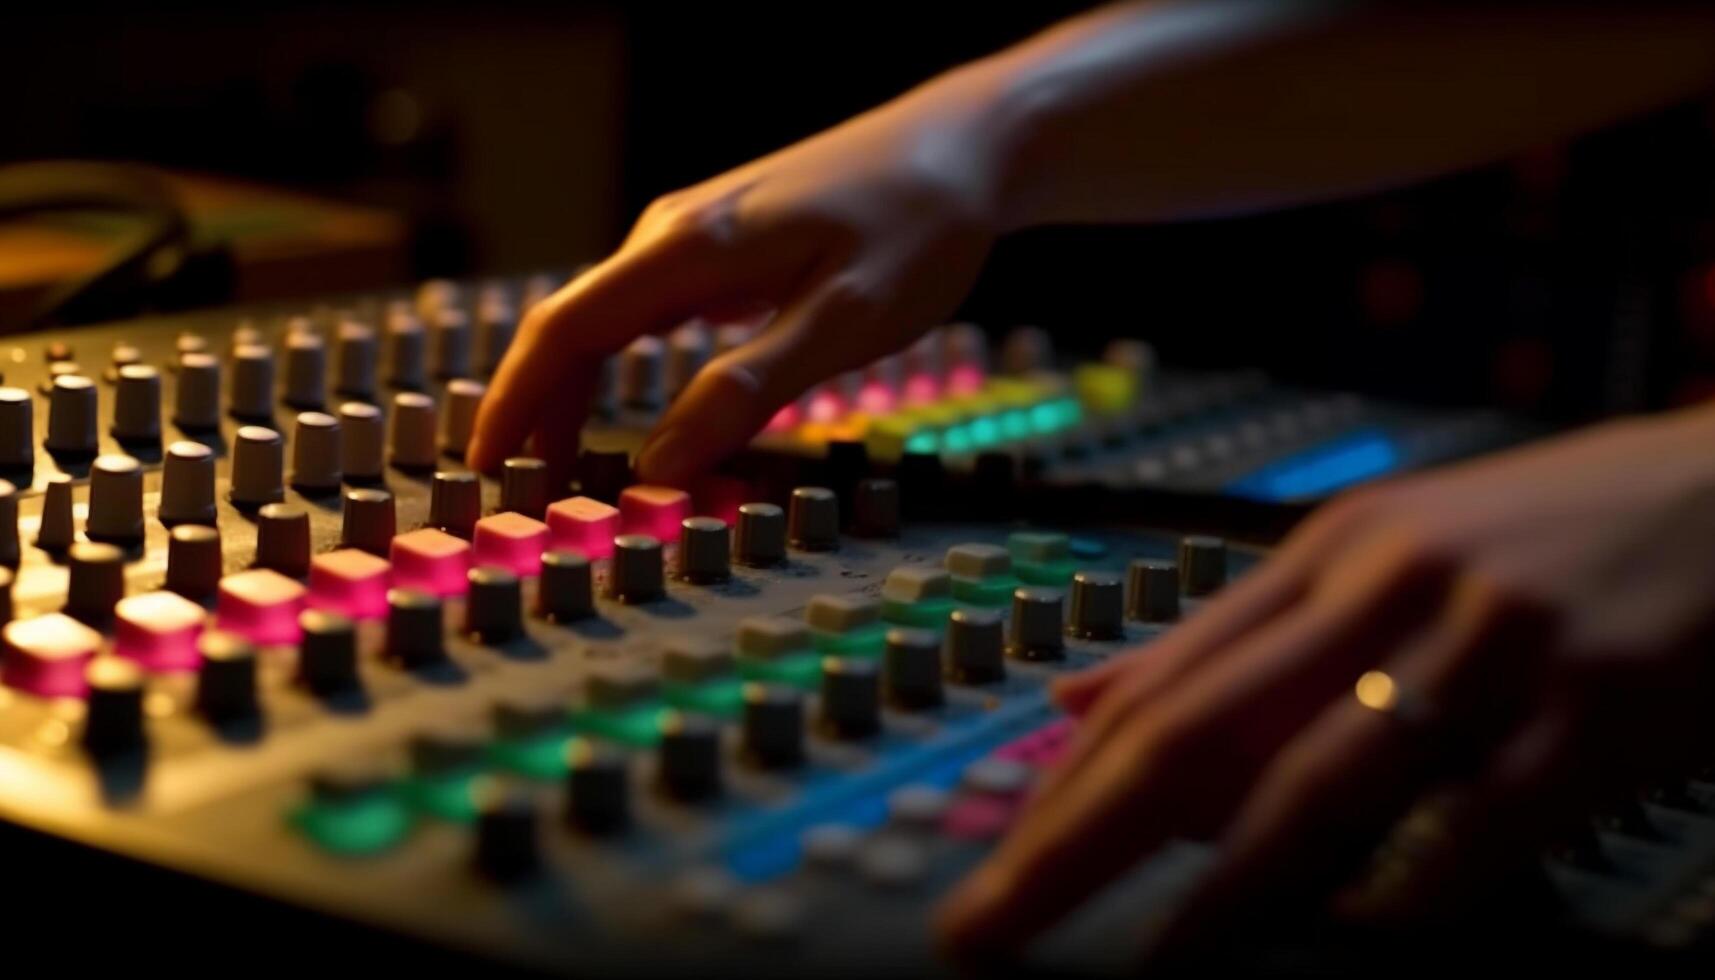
(978, 561)
(431, 561)
(513, 542)
(769, 637)
(45, 656)
(655, 511)
(914, 583)
(841, 613)
(350, 582)
(159, 630)
(584, 525)
(262, 606)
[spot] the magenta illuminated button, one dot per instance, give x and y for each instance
(655, 511)
(584, 525)
(158, 630)
(261, 605)
(511, 541)
(45, 656)
(350, 582)
(431, 561)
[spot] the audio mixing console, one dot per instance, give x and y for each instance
(265, 631)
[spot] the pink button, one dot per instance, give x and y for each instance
(511, 541)
(431, 561)
(261, 605)
(350, 582)
(584, 525)
(45, 656)
(655, 511)
(159, 630)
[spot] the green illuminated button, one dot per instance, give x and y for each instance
(533, 731)
(353, 812)
(773, 648)
(621, 704)
(445, 761)
(700, 676)
(846, 625)
(1041, 557)
(981, 573)
(917, 595)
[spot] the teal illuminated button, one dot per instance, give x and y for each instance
(622, 703)
(533, 731)
(846, 625)
(353, 812)
(1041, 557)
(700, 676)
(982, 574)
(445, 761)
(773, 648)
(917, 595)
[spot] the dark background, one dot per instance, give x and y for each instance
(1575, 280)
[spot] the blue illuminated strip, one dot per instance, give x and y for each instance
(1322, 469)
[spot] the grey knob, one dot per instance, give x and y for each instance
(361, 440)
(193, 561)
(687, 352)
(306, 370)
(813, 523)
(414, 629)
(56, 531)
(598, 792)
(1202, 565)
(851, 697)
(316, 453)
(1025, 350)
(494, 606)
(690, 757)
(10, 550)
(452, 344)
(196, 402)
(411, 431)
(773, 726)
(327, 655)
(369, 521)
(283, 539)
(95, 584)
(113, 717)
(17, 429)
(464, 396)
(976, 648)
(252, 393)
(637, 573)
(1036, 624)
(258, 464)
(226, 682)
(495, 325)
(640, 373)
(455, 502)
(354, 360)
(187, 485)
(137, 404)
(760, 539)
(1154, 587)
(405, 354)
(1098, 606)
(72, 414)
(564, 592)
(911, 668)
(524, 486)
(115, 500)
(876, 506)
(703, 550)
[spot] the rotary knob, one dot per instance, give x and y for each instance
(193, 561)
(524, 486)
(455, 502)
(975, 646)
(258, 462)
(72, 414)
(813, 522)
(1154, 591)
(252, 393)
(564, 591)
(1202, 565)
(196, 405)
(1098, 606)
(368, 521)
(1036, 624)
(689, 757)
(494, 605)
(598, 793)
(226, 682)
(115, 500)
(361, 440)
(187, 485)
(137, 405)
(851, 697)
(414, 629)
(316, 453)
(703, 550)
(760, 539)
(912, 669)
(773, 726)
(637, 571)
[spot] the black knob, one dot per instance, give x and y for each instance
(813, 522)
(414, 629)
(283, 539)
(507, 847)
(1098, 606)
(193, 561)
(455, 502)
(851, 697)
(369, 521)
(876, 503)
(602, 474)
(1202, 565)
(1036, 618)
(703, 548)
(524, 486)
(637, 572)
(690, 757)
(96, 582)
(226, 683)
(976, 649)
(922, 486)
(598, 795)
(113, 720)
(1154, 587)
(494, 607)
(760, 539)
(912, 669)
(563, 592)
(773, 727)
(449, 747)
(327, 655)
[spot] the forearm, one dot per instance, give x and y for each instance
(1175, 110)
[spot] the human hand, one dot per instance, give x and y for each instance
(1539, 618)
(859, 239)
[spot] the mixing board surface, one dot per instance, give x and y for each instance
(266, 631)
